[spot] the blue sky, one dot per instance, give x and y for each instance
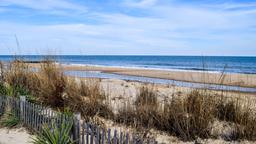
(128, 27)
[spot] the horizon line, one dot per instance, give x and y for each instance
(125, 55)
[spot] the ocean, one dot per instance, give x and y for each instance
(228, 64)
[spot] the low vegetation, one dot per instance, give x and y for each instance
(55, 134)
(186, 118)
(9, 120)
(191, 116)
(87, 98)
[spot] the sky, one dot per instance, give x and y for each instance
(128, 27)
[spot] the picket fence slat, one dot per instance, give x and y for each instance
(127, 138)
(115, 137)
(92, 135)
(103, 135)
(87, 133)
(109, 133)
(83, 129)
(121, 137)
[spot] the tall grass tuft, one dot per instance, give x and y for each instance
(19, 76)
(241, 115)
(87, 98)
(144, 113)
(195, 118)
(2, 72)
(147, 96)
(52, 83)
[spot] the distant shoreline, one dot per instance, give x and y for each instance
(242, 80)
(141, 68)
(209, 64)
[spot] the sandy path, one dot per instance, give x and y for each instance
(14, 136)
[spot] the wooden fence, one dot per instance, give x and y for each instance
(35, 116)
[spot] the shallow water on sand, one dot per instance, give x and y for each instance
(98, 74)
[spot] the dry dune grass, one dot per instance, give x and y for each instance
(52, 85)
(49, 85)
(191, 116)
(186, 117)
(87, 98)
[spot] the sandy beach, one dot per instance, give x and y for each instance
(14, 136)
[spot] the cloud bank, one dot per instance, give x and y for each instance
(128, 27)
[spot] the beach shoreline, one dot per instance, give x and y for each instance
(229, 79)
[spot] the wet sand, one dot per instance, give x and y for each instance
(231, 79)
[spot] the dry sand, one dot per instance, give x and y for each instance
(14, 136)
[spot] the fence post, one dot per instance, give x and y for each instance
(22, 110)
(76, 128)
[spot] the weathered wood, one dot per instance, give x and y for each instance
(36, 117)
(40, 118)
(46, 111)
(33, 116)
(26, 112)
(115, 137)
(127, 138)
(76, 127)
(87, 133)
(103, 135)
(22, 102)
(83, 127)
(29, 114)
(109, 136)
(92, 134)
(121, 138)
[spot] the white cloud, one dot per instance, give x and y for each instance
(168, 29)
(44, 5)
(140, 3)
(233, 5)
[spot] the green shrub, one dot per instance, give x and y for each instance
(55, 135)
(19, 90)
(3, 90)
(9, 120)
